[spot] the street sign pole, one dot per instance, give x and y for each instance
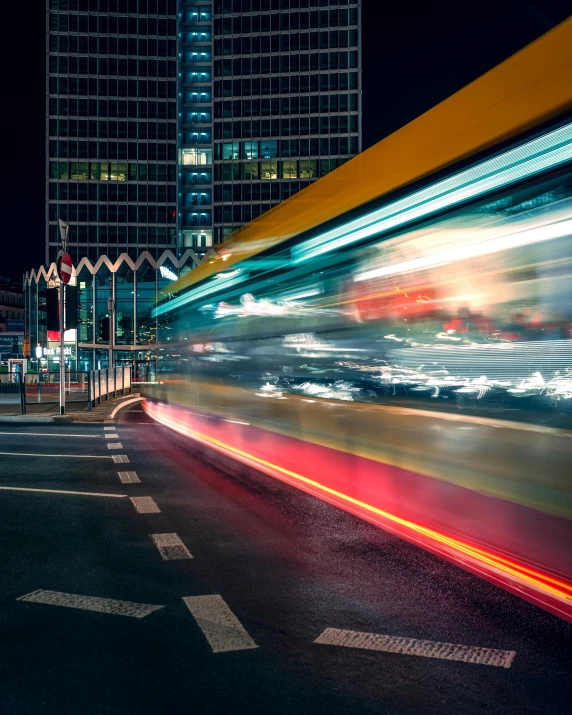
(62, 352)
(64, 228)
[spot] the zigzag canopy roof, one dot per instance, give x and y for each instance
(51, 272)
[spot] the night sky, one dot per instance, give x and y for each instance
(414, 56)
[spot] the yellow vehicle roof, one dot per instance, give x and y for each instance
(524, 91)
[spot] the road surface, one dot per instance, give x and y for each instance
(137, 578)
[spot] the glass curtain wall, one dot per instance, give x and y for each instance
(85, 306)
(124, 305)
(146, 287)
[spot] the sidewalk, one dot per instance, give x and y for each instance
(75, 411)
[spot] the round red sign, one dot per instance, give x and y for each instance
(66, 268)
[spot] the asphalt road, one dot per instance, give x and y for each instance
(275, 569)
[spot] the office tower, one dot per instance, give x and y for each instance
(112, 126)
(172, 122)
(286, 100)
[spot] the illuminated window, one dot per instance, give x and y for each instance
(269, 149)
(197, 156)
(118, 172)
(231, 150)
(308, 168)
(250, 170)
(269, 170)
(58, 170)
(250, 150)
(104, 172)
(289, 169)
(202, 239)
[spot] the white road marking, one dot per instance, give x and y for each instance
(114, 445)
(62, 491)
(71, 456)
(111, 435)
(50, 434)
(110, 428)
(129, 477)
(120, 458)
(124, 404)
(90, 603)
(145, 505)
(171, 547)
(414, 646)
(220, 626)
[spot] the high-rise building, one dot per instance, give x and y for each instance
(172, 122)
(112, 126)
(286, 79)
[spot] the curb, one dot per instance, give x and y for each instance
(103, 415)
(38, 419)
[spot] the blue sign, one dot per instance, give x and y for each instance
(8, 346)
(15, 326)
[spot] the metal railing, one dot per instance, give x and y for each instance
(13, 390)
(43, 388)
(103, 384)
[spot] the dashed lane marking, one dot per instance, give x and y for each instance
(171, 547)
(414, 646)
(145, 505)
(62, 491)
(111, 435)
(114, 445)
(71, 456)
(220, 626)
(50, 434)
(129, 477)
(120, 458)
(90, 603)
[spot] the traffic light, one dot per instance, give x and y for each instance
(52, 309)
(71, 307)
(103, 330)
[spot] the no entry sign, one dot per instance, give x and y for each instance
(65, 268)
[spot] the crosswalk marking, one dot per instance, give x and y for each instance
(129, 478)
(120, 458)
(414, 646)
(171, 547)
(90, 603)
(220, 626)
(111, 435)
(110, 428)
(145, 505)
(114, 445)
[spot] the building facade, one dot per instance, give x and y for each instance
(11, 324)
(287, 100)
(120, 331)
(172, 122)
(112, 126)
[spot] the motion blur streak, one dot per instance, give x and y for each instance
(544, 589)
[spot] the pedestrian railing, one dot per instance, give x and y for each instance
(103, 384)
(13, 390)
(43, 388)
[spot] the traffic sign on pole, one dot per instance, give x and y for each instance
(65, 268)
